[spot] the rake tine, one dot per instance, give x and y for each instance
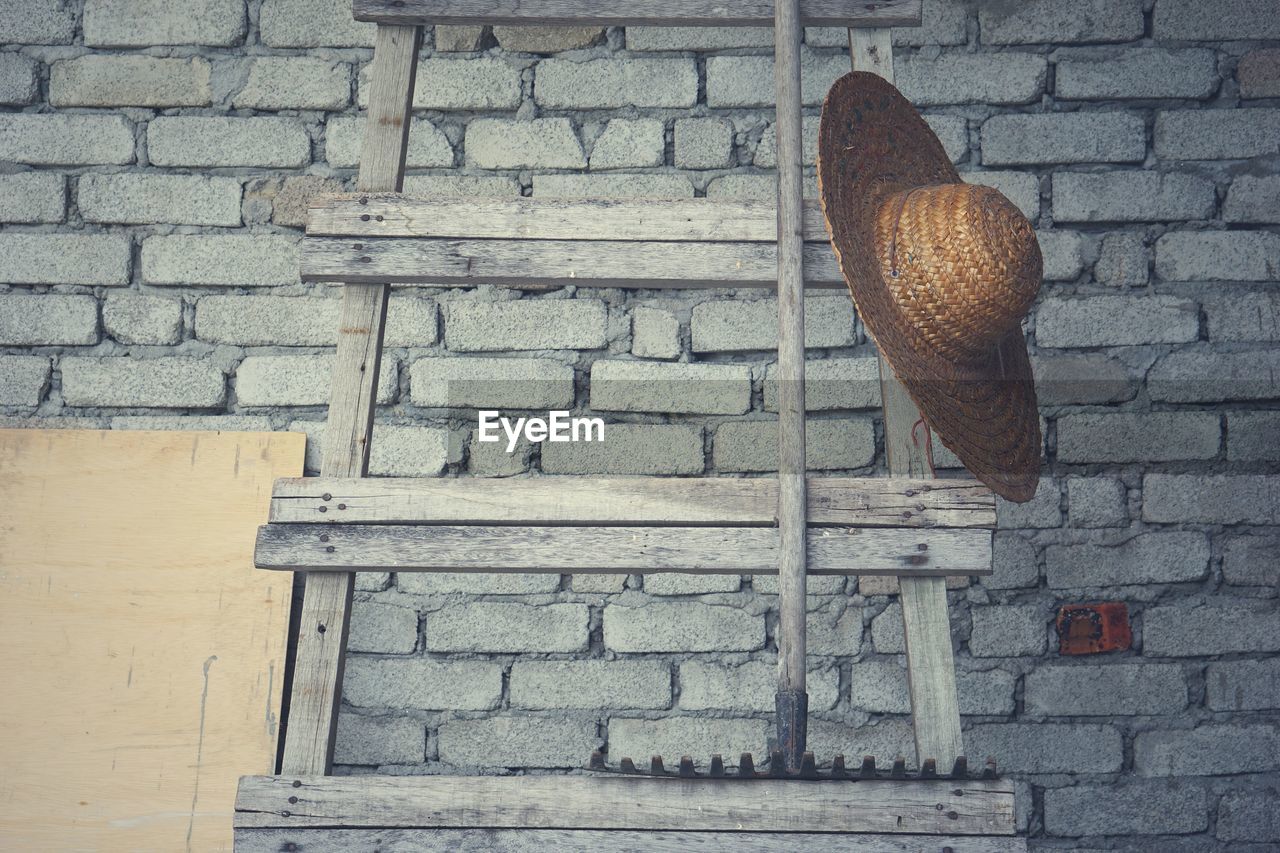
(808, 766)
(597, 760)
(655, 766)
(899, 770)
(746, 767)
(686, 766)
(989, 772)
(776, 768)
(961, 770)
(868, 769)
(837, 768)
(717, 766)
(929, 769)
(628, 766)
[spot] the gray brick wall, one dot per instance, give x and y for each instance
(155, 163)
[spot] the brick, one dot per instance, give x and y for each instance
(1101, 321)
(1048, 747)
(160, 383)
(23, 379)
(674, 583)
(650, 449)
(1134, 437)
(545, 39)
(1091, 629)
(493, 460)
(428, 146)
(482, 83)
(1243, 685)
(1112, 689)
(100, 80)
(886, 630)
(1134, 808)
(142, 199)
(1131, 197)
(420, 685)
(698, 736)
(612, 186)
(146, 23)
(223, 141)
(1209, 629)
(952, 132)
(943, 22)
(383, 628)
(1210, 499)
(509, 741)
(747, 81)
(629, 143)
(615, 83)
(1251, 436)
(398, 451)
(1063, 253)
(683, 626)
(816, 584)
(1259, 73)
(202, 423)
(1226, 20)
(599, 584)
(1042, 21)
(33, 197)
(65, 140)
(1002, 631)
(524, 324)
(748, 687)
(64, 259)
(697, 38)
(641, 386)
(1192, 376)
(835, 628)
(1248, 817)
(1129, 73)
(973, 78)
(460, 186)
(37, 22)
(1210, 750)
(1217, 134)
(295, 83)
(476, 583)
(372, 741)
(613, 685)
(832, 383)
(1253, 198)
(733, 325)
(1082, 378)
(137, 318)
(1218, 255)
(411, 322)
(19, 79)
(1103, 137)
(1252, 561)
(289, 202)
(265, 320)
(496, 383)
(752, 446)
(766, 154)
(1021, 188)
(745, 187)
(237, 260)
(457, 38)
(297, 380)
(545, 143)
(655, 333)
(880, 687)
(1122, 261)
(312, 23)
(1013, 563)
(885, 740)
(1043, 510)
(31, 319)
(703, 143)
(506, 627)
(1097, 502)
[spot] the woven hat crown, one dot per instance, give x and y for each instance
(962, 264)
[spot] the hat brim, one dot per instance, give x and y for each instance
(873, 143)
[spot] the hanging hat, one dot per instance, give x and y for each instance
(942, 274)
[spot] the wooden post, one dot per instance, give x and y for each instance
(326, 603)
(931, 672)
(791, 700)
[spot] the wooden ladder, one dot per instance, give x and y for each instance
(906, 526)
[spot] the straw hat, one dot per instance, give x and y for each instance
(942, 274)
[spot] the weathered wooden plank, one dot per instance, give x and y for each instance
(931, 674)
(596, 263)
(326, 603)
(584, 550)
(620, 13)
(595, 841)
(612, 802)
(681, 220)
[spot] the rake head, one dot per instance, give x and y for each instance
(808, 770)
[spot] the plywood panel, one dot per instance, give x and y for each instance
(141, 654)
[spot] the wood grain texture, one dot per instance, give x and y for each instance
(596, 841)
(611, 550)
(705, 501)
(688, 220)
(326, 601)
(931, 675)
(612, 802)
(618, 13)
(141, 656)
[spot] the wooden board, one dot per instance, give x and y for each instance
(611, 550)
(619, 13)
(833, 501)
(690, 220)
(142, 656)
(596, 841)
(615, 802)
(590, 263)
